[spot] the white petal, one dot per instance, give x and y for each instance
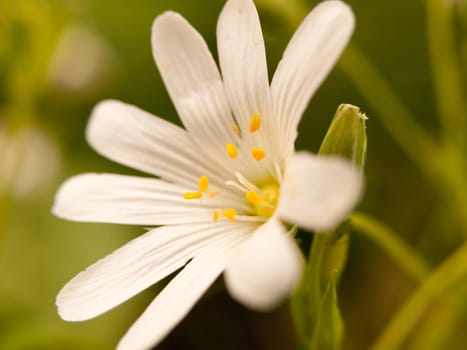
(319, 192)
(130, 136)
(194, 84)
(180, 295)
(133, 200)
(242, 60)
(265, 269)
(309, 57)
(136, 266)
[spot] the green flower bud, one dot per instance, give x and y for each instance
(347, 135)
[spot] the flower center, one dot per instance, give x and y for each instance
(264, 201)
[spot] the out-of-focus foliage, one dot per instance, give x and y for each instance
(60, 57)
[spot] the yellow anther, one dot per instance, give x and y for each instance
(229, 213)
(255, 123)
(253, 197)
(192, 195)
(203, 183)
(216, 215)
(231, 150)
(257, 153)
(235, 128)
(212, 194)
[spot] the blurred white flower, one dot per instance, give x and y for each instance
(227, 181)
(29, 161)
(82, 60)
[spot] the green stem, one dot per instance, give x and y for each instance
(450, 94)
(455, 182)
(392, 113)
(5, 210)
(438, 327)
(446, 70)
(317, 277)
(14, 143)
(292, 11)
(444, 277)
(407, 258)
(394, 116)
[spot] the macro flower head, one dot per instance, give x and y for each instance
(229, 185)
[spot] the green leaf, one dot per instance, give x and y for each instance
(329, 327)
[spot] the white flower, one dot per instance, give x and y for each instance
(227, 183)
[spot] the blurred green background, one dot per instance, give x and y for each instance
(59, 58)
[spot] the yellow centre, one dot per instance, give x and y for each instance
(263, 200)
(264, 203)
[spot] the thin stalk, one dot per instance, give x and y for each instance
(292, 11)
(449, 273)
(407, 258)
(438, 327)
(392, 113)
(450, 94)
(5, 211)
(388, 108)
(446, 71)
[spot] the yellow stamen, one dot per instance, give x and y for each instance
(212, 194)
(216, 215)
(253, 197)
(255, 123)
(257, 153)
(231, 150)
(235, 128)
(203, 183)
(229, 213)
(192, 195)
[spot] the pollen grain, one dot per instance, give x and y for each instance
(255, 123)
(231, 150)
(192, 195)
(258, 153)
(230, 214)
(212, 194)
(203, 183)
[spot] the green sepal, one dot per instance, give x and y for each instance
(326, 261)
